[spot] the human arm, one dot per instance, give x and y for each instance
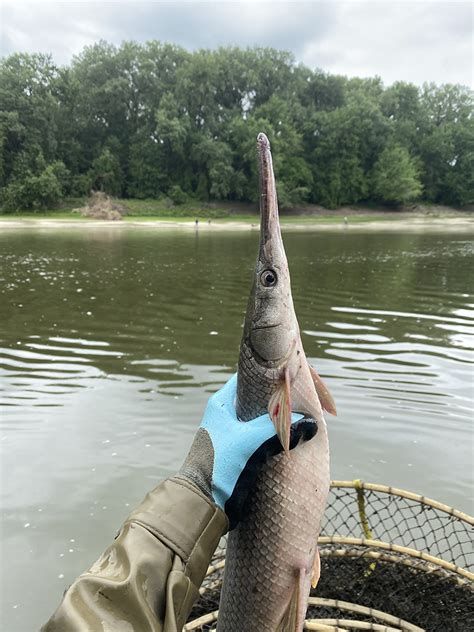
(149, 578)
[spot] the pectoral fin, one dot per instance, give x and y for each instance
(293, 618)
(279, 409)
(327, 402)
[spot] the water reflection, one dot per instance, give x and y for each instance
(111, 342)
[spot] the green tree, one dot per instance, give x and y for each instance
(147, 177)
(400, 104)
(446, 143)
(177, 195)
(105, 174)
(142, 119)
(344, 144)
(214, 159)
(28, 110)
(34, 192)
(395, 178)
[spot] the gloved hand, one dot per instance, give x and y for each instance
(226, 453)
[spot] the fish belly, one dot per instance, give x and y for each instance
(276, 537)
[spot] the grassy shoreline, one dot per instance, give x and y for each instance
(191, 218)
(414, 224)
(155, 213)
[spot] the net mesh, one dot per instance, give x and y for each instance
(409, 521)
(390, 560)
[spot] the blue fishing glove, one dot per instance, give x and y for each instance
(227, 453)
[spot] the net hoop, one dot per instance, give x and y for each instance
(368, 612)
(387, 546)
(332, 624)
(403, 493)
(396, 548)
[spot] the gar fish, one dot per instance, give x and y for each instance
(272, 557)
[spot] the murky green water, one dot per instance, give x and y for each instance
(112, 340)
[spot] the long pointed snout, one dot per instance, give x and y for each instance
(269, 221)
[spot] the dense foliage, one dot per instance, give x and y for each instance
(154, 120)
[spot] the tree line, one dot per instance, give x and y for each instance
(154, 120)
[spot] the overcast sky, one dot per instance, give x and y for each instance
(412, 41)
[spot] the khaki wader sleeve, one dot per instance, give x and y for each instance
(149, 578)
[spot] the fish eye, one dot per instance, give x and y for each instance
(268, 278)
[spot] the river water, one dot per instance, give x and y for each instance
(112, 340)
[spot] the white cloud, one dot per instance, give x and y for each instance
(416, 42)
(411, 41)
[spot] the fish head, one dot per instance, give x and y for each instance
(270, 326)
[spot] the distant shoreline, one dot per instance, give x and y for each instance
(415, 223)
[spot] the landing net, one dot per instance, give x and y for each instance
(391, 561)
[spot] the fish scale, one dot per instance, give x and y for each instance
(276, 536)
(253, 392)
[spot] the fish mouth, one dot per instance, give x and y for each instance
(269, 221)
(266, 327)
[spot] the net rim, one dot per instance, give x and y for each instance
(393, 559)
(366, 611)
(346, 624)
(210, 617)
(313, 624)
(397, 548)
(333, 624)
(387, 546)
(403, 493)
(349, 624)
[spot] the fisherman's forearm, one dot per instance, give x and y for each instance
(149, 578)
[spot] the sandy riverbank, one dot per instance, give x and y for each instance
(415, 223)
